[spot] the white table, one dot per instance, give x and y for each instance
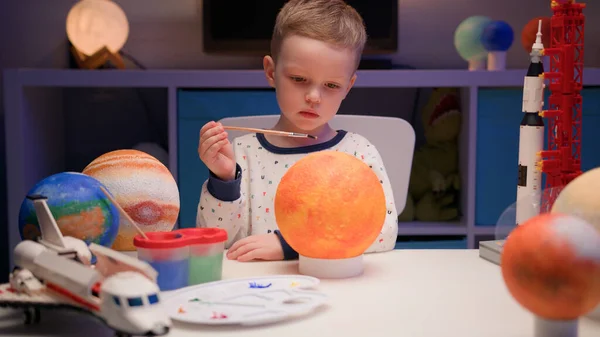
(402, 293)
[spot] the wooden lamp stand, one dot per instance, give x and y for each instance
(98, 59)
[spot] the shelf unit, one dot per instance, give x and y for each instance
(34, 121)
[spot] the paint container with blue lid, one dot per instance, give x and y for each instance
(168, 253)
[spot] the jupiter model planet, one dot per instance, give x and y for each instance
(143, 187)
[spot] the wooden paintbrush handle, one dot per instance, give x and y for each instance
(270, 132)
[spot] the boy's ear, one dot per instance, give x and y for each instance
(269, 67)
(351, 84)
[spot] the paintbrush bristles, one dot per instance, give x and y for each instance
(271, 132)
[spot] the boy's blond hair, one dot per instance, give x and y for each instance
(330, 21)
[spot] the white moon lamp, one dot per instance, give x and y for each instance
(97, 30)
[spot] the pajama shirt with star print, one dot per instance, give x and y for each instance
(244, 206)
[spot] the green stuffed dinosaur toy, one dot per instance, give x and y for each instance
(434, 181)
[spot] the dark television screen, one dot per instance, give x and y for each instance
(245, 27)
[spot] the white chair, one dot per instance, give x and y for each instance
(393, 137)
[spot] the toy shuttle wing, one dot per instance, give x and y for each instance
(45, 279)
(109, 262)
(10, 297)
(51, 235)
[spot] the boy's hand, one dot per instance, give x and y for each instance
(264, 247)
(216, 151)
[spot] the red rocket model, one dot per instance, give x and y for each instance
(562, 160)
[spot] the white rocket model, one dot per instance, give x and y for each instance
(531, 135)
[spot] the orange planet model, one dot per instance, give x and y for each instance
(528, 34)
(581, 197)
(330, 205)
(551, 266)
(143, 187)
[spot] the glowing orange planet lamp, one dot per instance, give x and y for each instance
(330, 207)
(551, 266)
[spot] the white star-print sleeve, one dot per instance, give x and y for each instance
(386, 240)
(223, 204)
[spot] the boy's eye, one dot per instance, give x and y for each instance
(332, 86)
(297, 78)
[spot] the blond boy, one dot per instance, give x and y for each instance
(315, 52)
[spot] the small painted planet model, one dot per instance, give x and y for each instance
(551, 266)
(581, 197)
(79, 206)
(528, 34)
(143, 187)
(497, 36)
(467, 38)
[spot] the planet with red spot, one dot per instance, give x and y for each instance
(143, 187)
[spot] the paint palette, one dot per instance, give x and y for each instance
(249, 301)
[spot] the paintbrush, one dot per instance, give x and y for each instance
(271, 132)
(110, 197)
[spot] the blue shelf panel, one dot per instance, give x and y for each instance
(196, 108)
(498, 118)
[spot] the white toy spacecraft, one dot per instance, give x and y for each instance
(55, 272)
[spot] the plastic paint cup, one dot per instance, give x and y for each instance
(207, 246)
(168, 253)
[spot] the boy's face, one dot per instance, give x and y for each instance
(311, 79)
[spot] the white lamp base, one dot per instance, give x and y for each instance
(496, 61)
(595, 314)
(477, 64)
(552, 328)
(331, 268)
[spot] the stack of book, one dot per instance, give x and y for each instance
(491, 250)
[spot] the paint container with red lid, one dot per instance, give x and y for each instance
(183, 257)
(207, 246)
(168, 253)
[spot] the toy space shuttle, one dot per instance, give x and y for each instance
(55, 271)
(531, 135)
(52, 238)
